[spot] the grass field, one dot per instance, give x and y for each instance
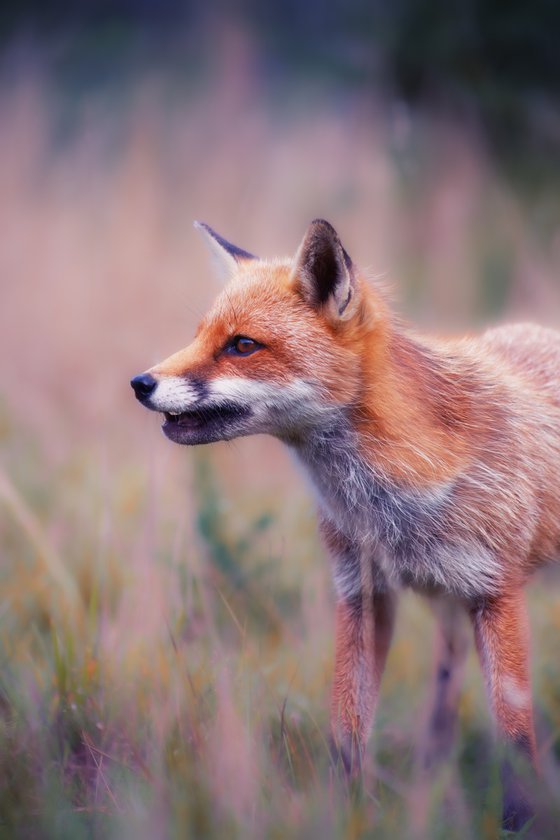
(166, 614)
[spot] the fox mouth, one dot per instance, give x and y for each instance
(204, 425)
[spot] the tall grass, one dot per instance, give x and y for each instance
(166, 619)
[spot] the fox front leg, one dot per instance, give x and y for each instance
(501, 632)
(364, 625)
(363, 633)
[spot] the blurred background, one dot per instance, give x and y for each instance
(166, 618)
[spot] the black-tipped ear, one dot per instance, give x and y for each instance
(226, 256)
(324, 271)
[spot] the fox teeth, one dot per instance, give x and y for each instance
(174, 413)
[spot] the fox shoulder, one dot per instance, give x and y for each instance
(529, 350)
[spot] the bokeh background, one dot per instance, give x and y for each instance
(166, 616)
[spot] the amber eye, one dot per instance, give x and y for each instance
(243, 346)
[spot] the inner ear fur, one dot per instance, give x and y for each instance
(225, 256)
(324, 271)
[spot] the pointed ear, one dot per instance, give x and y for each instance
(225, 256)
(324, 271)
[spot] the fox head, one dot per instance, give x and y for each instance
(279, 352)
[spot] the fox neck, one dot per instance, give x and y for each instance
(407, 421)
(412, 413)
(385, 471)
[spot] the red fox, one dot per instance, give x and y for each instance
(436, 465)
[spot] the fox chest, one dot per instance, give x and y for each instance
(396, 532)
(407, 538)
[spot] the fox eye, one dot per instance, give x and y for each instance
(243, 346)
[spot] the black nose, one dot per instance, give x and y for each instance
(143, 385)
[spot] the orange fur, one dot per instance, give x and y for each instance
(502, 640)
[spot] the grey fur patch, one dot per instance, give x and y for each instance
(413, 537)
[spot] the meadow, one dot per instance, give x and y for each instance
(166, 619)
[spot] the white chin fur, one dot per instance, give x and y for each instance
(276, 406)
